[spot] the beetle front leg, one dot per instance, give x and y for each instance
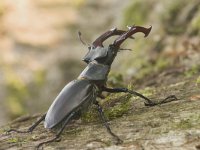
(30, 129)
(147, 102)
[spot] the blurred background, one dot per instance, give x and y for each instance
(40, 50)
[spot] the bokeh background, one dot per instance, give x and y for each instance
(40, 50)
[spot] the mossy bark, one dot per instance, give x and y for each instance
(174, 125)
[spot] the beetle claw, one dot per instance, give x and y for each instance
(119, 141)
(169, 99)
(150, 104)
(112, 32)
(166, 100)
(132, 30)
(17, 131)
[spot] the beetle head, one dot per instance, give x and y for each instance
(95, 53)
(106, 55)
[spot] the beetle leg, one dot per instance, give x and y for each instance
(30, 129)
(101, 96)
(102, 116)
(59, 132)
(147, 102)
(125, 90)
(166, 100)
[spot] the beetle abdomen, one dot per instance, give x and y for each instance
(70, 98)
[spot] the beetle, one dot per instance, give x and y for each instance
(82, 92)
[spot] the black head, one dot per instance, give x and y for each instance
(105, 55)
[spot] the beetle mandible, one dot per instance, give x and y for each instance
(78, 94)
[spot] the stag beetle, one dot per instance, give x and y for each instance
(78, 94)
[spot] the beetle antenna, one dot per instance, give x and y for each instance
(84, 43)
(128, 49)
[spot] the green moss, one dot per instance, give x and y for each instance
(117, 111)
(40, 76)
(121, 105)
(2, 131)
(147, 91)
(115, 79)
(195, 24)
(143, 72)
(17, 140)
(192, 71)
(75, 131)
(161, 64)
(17, 94)
(137, 12)
(189, 123)
(149, 68)
(13, 140)
(91, 115)
(15, 107)
(15, 84)
(170, 16)
(144, 68)
(34, 137)
(113, 107)
(184, 124)
(198, 81)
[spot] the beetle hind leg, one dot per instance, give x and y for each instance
(166, 100)
(59, 132)
(102, 116)
(30, 129)
(147, 102)
(49, 141)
